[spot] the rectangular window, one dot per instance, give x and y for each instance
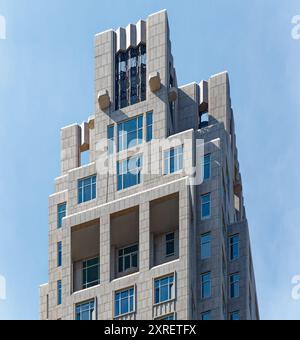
(130, 133)
(124, 302)
(234, 247)
(206, 316)
(204, 120)
(87, 189)
(149, 126)
(173, 160)
(128, 258)
(61, 213)
(90, 273)
(85, 311)
(170, 244)
(205, 246)
(206, 286)
(129, 172)
(234, 286)
(59, 254)
(207, 167)
(164, 289)
(59, 293)
(110, 139)
(206, 206)
(235, 316)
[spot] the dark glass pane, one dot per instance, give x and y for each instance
(121, 269)
(134, 261)
(170, 248)
(127, 262)
(164, 293)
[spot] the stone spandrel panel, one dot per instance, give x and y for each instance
(219, 105)
(105, 47)
(70, 148)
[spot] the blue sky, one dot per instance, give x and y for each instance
(46, 82)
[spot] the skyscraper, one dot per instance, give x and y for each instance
(153, 225)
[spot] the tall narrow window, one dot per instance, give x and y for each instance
(170, 244)
(86, 189)
(59, 254)
(206, 285)
(110, 139)
(234, 247)
(59, 292)
(85, 311)
(149, 119)
(90, 273)
(143, 72)
(130, 133)
(129, 172)
(124, 302)
(128, 258)
(207, 167)
(206, 206)
(61, 213)
(234, 286)
(164, 289)
(131, 70)
(173, 160)
(205, 246)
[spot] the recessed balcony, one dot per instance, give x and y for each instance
(85, 245)
(125, 243)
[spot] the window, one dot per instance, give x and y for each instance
(207, 167)
(129, 172)
(235, 316)
(85, 311)
(110, 139)
(61, 213)
(128, 258)
(164, 289)
(205, 246)
(224, 304)
(234, 286)
(130, 84)
(86, 189)
(84, 158)
(59, 254)
(206, 206)
(130, 133)
(47, 306)
(124, 302)
(204, 120)
(170, 244)
(59, 293)
(90, 273)
(206, 286)
(234, 247)
(149, 122)
(173, 160)
(206, 316)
